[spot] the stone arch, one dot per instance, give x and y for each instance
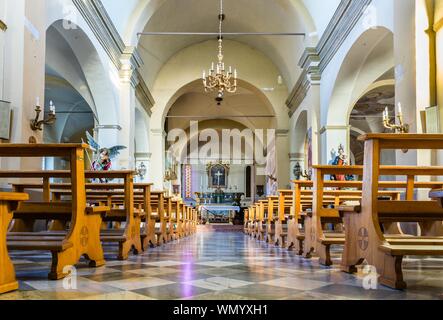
(88, 73)
(369, 58)
(172, 82)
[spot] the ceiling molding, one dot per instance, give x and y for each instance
(104, 29)
(143, 94)
(298, 93)
(314, 60)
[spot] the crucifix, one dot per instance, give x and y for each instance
(218, 174)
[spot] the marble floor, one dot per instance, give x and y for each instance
(216, 266)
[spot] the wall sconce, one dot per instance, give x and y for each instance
(397, 128)
(141, 170)
(37, 124)
(307, 174)
(389, 124)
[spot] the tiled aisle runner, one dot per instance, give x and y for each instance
(217, 265)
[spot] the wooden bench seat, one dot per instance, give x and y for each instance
(319, 242)
(39, 243)
(8, 202)
(96, 192)
(84, 226)
(367, 241)
(413, 250)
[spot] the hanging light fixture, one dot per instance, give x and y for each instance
(218, 77)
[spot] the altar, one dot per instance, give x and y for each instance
(218, 197)
(218, 214)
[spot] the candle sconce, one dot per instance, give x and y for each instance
(307, 174)
(391, 124)
(141, 170)
(37, 124)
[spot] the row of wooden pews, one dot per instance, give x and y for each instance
(81, 218)
(362, 216)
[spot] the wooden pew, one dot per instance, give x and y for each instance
(167, 233)
(129, 238)
(246, 221)
(272, 208)
(302, 200)
(157, 227)
(251, 225)
(177, 209)
(83, 237)
(296, 235)
(8, 203)
(180, 220)
(367, 240)
(261, 221)
(285, 204)
(186, 223)
(194, 218)
(319, 240)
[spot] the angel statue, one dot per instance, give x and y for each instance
(103, 161)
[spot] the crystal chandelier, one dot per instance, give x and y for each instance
(218, 77)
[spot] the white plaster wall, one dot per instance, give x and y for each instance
(321, 12)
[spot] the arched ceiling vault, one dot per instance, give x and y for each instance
(201, 16)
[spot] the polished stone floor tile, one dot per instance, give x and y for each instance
(172, 291)
(139, 283)
(121, 295)
(217, 266)
(219, 283)
(263, 292)
(111, 276)
(296, 283)
(355, 292)
(218, 296)
(183, 276)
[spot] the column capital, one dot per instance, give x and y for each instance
(296, 156)
(108, 127)
(143, 155)
(282, 132)
(334, 127)
(158, 132)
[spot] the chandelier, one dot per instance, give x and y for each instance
(218, 77)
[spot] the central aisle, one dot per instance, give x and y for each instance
(215, 266)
